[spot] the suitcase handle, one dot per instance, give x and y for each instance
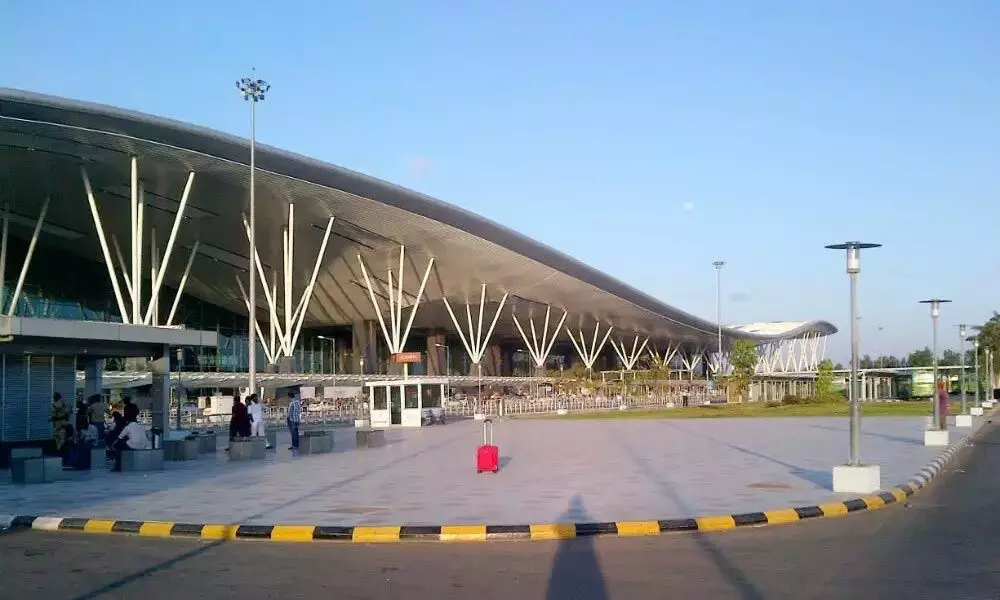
(488, 432)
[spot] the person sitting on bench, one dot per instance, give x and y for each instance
(133, 437)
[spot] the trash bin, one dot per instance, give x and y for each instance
(156, 437)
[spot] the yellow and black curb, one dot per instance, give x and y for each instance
(481, 533)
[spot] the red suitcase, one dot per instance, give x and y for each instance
(487, 455)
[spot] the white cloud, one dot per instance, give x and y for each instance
(688, 206)
(419, 165)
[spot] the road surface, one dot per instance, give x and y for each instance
(943, 543)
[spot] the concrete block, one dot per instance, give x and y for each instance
(207, 442)
(479, 416)
(98, 458)
(28, 470)
(16, 453)
(369, 438)
(361, 423)
(142, 460)
(963, 420)
(976, 411)
(177, 450)
(247, 449)
(316, 442)
(857, 479)
(935, 437)
(272, 437)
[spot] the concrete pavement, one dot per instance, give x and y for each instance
(940, 544)
(611, 470)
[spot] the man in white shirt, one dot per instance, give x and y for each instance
(256, 412)
(132, 437)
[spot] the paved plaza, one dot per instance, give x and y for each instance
(551, 470)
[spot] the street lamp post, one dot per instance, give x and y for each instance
(939, 424)
(253, 91)
(961, 358)
(718, 304)
(853, 252)
(855, 477)
(447, 367)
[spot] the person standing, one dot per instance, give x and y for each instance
(256, 412)
(293, 420)
(60, 419)
(96, 414)
(239, 421)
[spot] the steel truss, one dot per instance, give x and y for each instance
(395, 334)
(284, 336)
(629, 358)
(589, 355)
(796, 355)
(131, 270)
(540, 351)
(692, 358)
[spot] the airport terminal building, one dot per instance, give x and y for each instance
(125, 241)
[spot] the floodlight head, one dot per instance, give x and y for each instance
(253, 89)
(853, 254)
(718, 264)
(935, 306)
(961, 331)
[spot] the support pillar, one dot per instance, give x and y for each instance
(437, 352)
(93, 372)
(159, 396)
(492, 361)
(365, 352)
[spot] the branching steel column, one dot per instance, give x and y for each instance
(589, 356)
(269, 353)
(3, 253)
(540, 351)
(180, 286)
(27, 259)
(396, 338)
(104, 246)
(168, 252)
(475, 344)
(629, 358)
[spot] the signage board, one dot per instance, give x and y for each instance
(407, 357)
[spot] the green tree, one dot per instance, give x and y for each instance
(743, 358)
(824, 379)
(989, 337)
(920, 358)
(949, 358)
(866, 362)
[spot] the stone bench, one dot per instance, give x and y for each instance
(19, 453)
(272, 437)
(177, 450)
(369, 438)
(142, 460)
(98, 457)
(36, 469)
(316, 442)
(207, 442)
(251, 448)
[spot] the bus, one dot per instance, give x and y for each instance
(914, 385)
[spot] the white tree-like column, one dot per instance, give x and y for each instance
(589, 355)
(540, 349)
(395, 334)
(285, 335)
(131, 271)
(629, 357)
(475, 343)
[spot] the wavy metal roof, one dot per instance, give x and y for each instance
(44, 140)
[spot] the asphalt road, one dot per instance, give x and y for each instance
(943, 543)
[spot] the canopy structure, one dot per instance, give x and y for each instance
(335, 247)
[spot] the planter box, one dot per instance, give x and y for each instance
(180, 449)
(98, 458)
(316, 442)
(142, 460)
(247, 449)
(369, 438)
(207, 442)
(36, 469)
(17, 453)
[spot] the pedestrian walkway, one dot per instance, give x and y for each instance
(619, 469)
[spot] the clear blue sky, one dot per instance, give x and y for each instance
(646, 138)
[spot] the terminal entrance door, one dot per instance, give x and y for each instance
(396, 405)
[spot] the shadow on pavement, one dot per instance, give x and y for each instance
(576, 572)
(884, 436)
(823, 479)
(733, 575)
